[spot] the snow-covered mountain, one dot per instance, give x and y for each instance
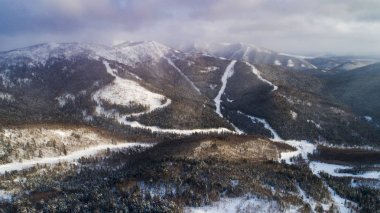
(248, 53)
(341, 63)
(127, 53)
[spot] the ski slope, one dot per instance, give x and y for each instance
(227, 74)
(258, 74)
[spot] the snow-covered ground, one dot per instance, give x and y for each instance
(136, 124)
(5, 196)
(64, 99)
(226, 75)
(333, 169)
(258, 74)
(91, 151)
(290, 63)
(241, 205)
(124, 92)
(32, 142)
(303, 148)
(340, 202)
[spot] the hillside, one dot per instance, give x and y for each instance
(358, 89)
(142, 127)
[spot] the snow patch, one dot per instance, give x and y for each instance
(304, 148)
(277, 63)
(315, 124)
(240, 204)
(213, 86)
(209, 69)
(290, 63)
(5, 80)
(64, 99)
(6, 97)
(368, 118)
(294, 115)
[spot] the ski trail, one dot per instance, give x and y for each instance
(258, 74)
(254, 119)
(71, 157)
(303, 147)
(227, 74)
(155, 129)
(183, 75)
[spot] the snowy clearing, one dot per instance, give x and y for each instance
(125, 92)
(303, 148)
(227, 74)
(18, 166)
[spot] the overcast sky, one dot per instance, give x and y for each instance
(294, 26)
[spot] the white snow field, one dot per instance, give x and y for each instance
(124, 92)
(72, 157)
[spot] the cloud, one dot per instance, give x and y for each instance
(296, 26)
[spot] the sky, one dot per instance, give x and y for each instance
(308, 27)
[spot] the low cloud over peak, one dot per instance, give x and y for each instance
(297, 26)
